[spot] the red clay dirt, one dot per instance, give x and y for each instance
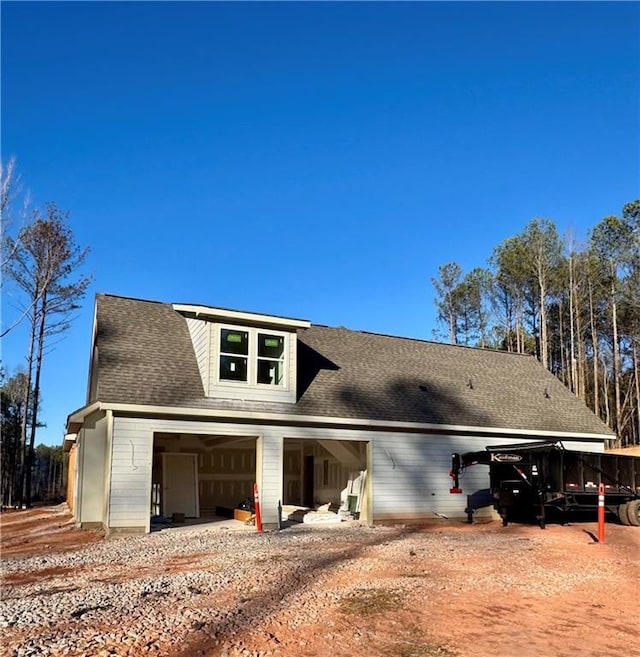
(553, 593)
(41, 530)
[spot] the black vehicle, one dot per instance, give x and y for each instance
(530, 481)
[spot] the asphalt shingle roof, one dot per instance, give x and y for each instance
(145, 356)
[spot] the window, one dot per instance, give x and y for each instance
(234, 355)
(252, 357)
(270, 359)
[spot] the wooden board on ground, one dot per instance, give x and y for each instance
(239, 514)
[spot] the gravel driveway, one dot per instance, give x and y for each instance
(443, 590)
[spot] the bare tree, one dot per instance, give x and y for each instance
(11, 191)
(8, 185)
(44, 266)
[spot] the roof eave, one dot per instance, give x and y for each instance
(241, 316)
(75, 420)
(318, 420)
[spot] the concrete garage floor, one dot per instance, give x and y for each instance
(208, 522)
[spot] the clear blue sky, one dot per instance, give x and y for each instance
(313, 160)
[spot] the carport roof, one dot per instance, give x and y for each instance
(145, 356)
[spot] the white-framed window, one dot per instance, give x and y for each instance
(252, 357)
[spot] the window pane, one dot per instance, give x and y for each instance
(270, 346)
(271, 372)
(234, 342)
(233, 368)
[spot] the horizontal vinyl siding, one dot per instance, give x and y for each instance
(132, 456)
(200, 332)
(270, 464)
(410, 474)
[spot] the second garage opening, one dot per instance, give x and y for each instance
(330, 475)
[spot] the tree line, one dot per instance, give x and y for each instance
(576, 307)
(41, 263)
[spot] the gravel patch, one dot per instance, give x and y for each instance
(154, 594)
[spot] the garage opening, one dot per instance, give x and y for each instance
(201, 477)
(325, 477)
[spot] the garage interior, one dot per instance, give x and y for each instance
(325, 474)
(224, 472)
(207, 477)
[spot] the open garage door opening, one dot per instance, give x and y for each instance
(325, 480)
(201, 478)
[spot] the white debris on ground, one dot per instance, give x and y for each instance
(321, 517)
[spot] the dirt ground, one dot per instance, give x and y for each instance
(488, 591)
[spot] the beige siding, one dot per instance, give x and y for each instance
(92, 455)
(200, 332)
(108, 460)
(131, 460)
(203, 337)
(270, 469)
(293, 367)
(71, 477)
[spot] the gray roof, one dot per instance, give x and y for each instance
(145, 356)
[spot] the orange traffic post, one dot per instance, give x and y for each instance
(601, 513)
(256, 501)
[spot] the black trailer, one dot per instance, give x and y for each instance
(531, 481)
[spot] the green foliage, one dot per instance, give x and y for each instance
(13, 451)
(42, 262)
(12, 400)
(48, 474)
(448, 303)
(577, 310)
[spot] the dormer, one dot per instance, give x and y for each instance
(244, 355)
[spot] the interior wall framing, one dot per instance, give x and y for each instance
(316, 471)
(226, 468)
(132, 463)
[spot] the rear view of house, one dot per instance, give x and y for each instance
(189, 405)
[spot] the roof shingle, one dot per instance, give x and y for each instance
(145, 356)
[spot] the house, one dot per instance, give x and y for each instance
(189, 405)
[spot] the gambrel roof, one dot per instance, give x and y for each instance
(145, 356)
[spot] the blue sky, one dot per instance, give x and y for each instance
(315, 160)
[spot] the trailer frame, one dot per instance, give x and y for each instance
(532, 481)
